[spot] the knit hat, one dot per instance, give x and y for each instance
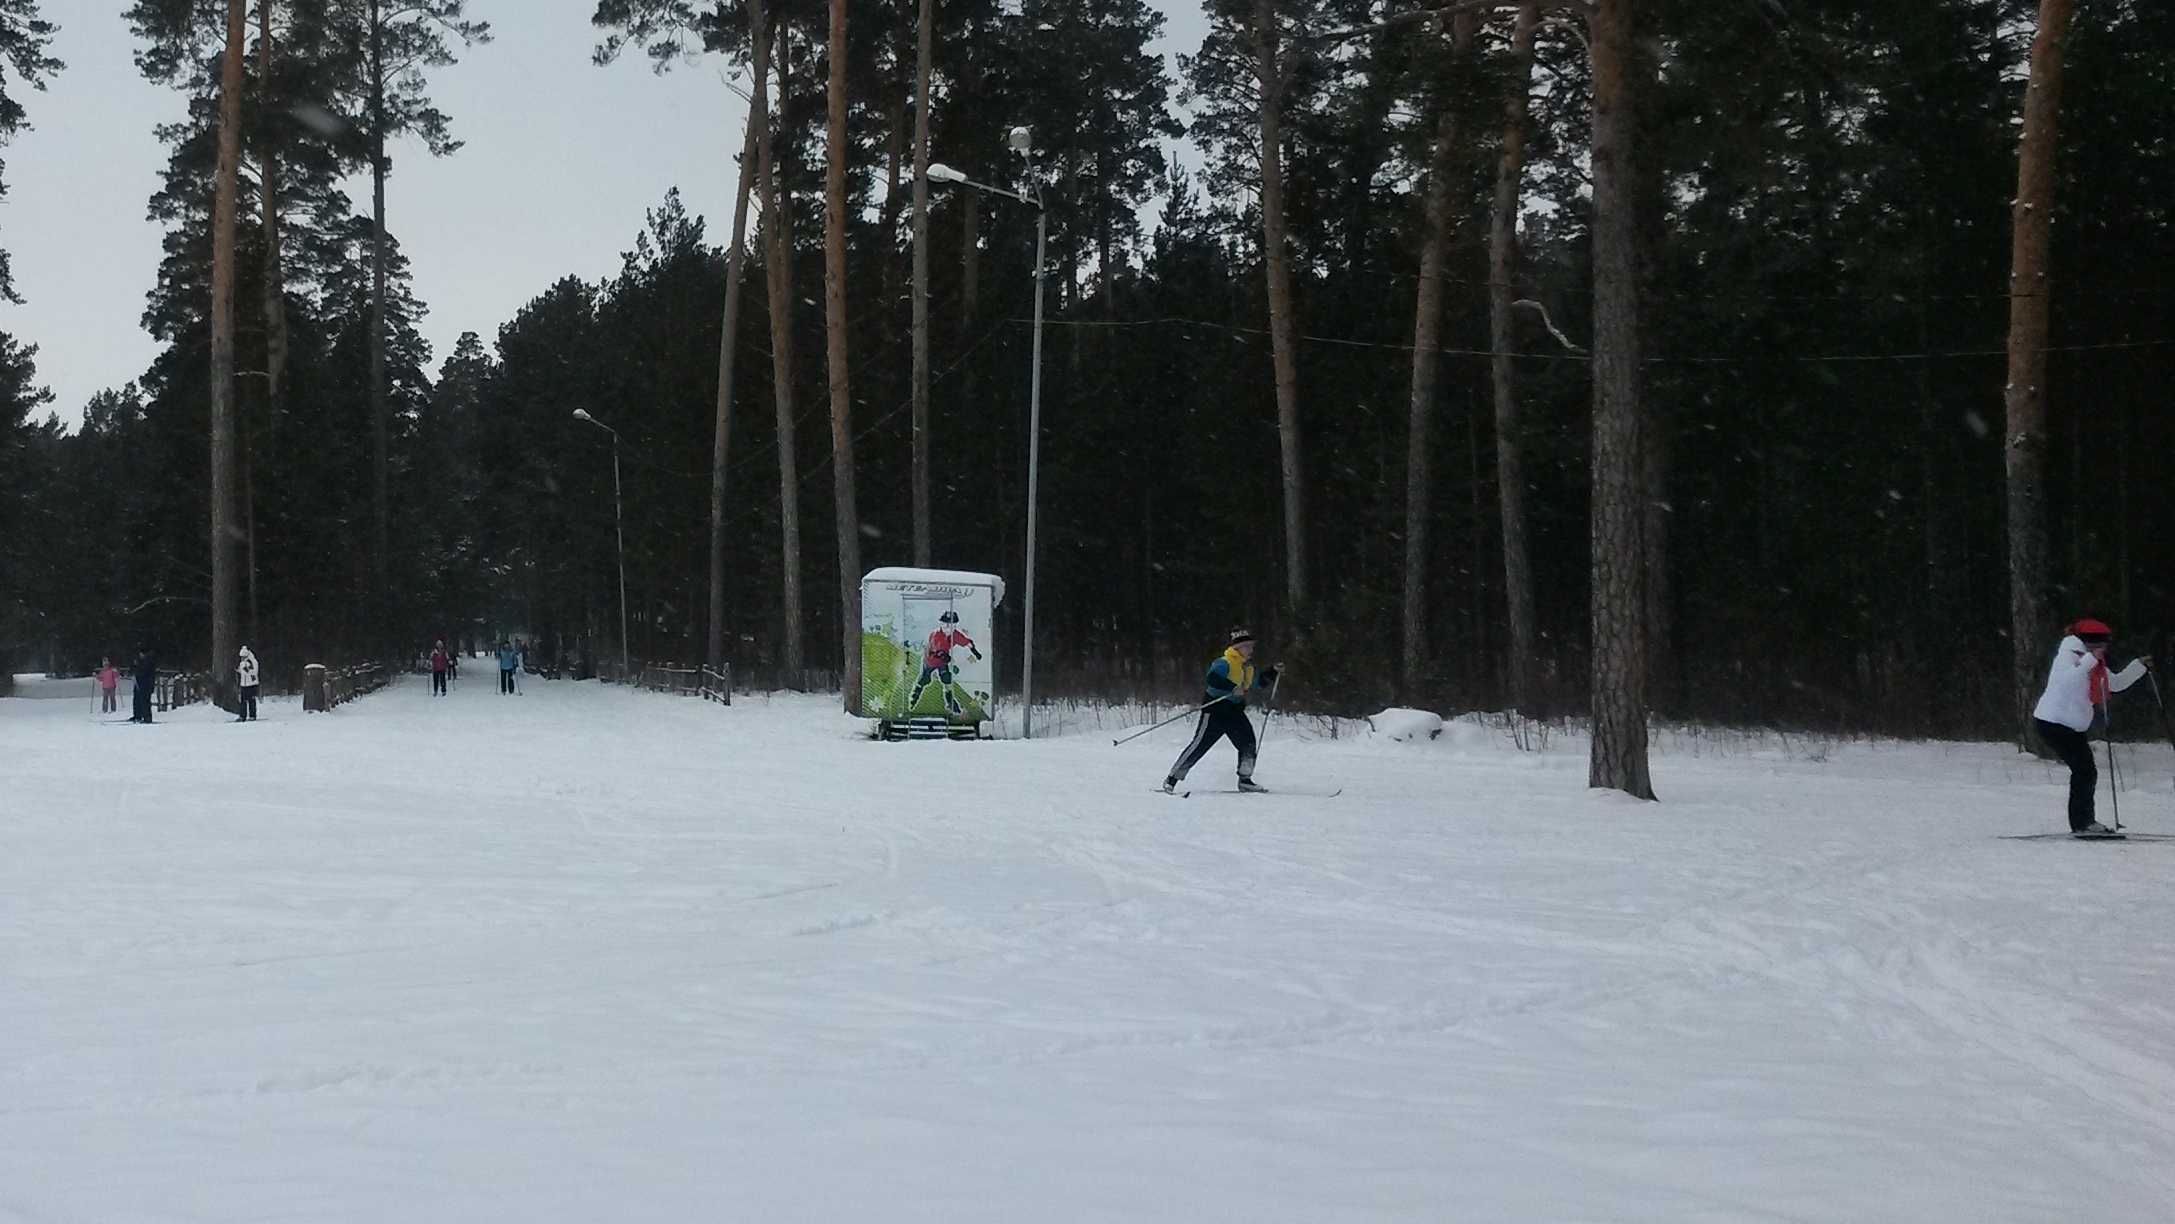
(2091, 630)
(1239, 636)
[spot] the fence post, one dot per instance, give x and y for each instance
(313, 689)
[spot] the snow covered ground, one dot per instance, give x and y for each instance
(598, 955)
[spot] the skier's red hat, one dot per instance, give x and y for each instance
(2091, 629)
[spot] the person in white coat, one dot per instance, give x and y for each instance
(245, 681)
(2077, 686)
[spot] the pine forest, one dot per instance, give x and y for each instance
(1789, 363)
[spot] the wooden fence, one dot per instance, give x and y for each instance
(324, 688)
(179, 689)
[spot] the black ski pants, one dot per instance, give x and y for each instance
(143, 703)
(247, 705)
(1223, 720)
(438, 683)
(505, 679)
(2076, 752)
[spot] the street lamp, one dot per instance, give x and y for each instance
(619, 521)
(1022, 142)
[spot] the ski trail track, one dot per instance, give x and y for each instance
(591, 954)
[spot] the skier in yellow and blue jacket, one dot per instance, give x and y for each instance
(1231, 680)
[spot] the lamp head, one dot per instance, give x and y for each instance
(940, 173)
(1020, 140)
(582, 414)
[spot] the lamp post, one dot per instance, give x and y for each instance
(619, 521)
(1022, 143)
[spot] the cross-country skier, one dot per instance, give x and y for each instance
(439, 661)
(2078, 684)
(146, 676)
(936, 661)
(109, 681)
(245, 681)
(1231, 679)
(508, 659)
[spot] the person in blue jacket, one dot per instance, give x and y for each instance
(1230, 682)
(508, 659)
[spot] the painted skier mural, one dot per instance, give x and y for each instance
(926, 645)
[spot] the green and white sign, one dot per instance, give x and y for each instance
(928, 646)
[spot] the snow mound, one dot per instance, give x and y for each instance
(1406, 725)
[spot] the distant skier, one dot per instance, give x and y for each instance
(245, 681)
(936, 662)
(1231, 679)
(146, 677)
(439, 662)
(508, 659)
(2079, 684)
(109, 683)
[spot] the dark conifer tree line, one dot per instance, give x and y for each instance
(1817, 196)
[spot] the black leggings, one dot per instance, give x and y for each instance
(2076, 752)
(1220, 721)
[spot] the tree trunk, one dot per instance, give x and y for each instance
(778, 272)
(1619, 752)
(225, 201)
(380, 408)
(2030, 312)
(275, 286)
(1426, 366)
(1660, 614)
(728, 346)
(1510, 477)
(1275, 256)
(970, 262)
(923, 55)
(834, 309)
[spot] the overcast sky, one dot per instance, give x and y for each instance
(561, 161)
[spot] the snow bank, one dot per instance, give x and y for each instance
(1406, 725)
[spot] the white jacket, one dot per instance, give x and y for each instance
(2068, 699)
(245, 669)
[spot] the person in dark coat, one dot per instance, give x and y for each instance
(146, 675)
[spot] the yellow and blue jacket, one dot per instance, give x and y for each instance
(1227, 675)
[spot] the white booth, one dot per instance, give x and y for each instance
(928, 651)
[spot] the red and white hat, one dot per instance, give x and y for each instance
(2088, 629)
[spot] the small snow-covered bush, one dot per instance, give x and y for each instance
(1406, 725)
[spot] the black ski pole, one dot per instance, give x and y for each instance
(1168, 721)
(2114, 772)
(1268, 709)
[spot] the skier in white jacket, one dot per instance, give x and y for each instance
(2078, 684)
(245, 682)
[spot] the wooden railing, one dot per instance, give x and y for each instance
(704, 681)
(179, 689)
(324, 688)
